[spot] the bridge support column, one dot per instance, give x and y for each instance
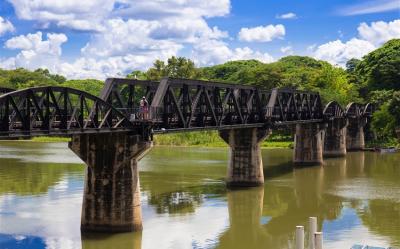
(308, 144)
(355, 137)
(335, 138)
(111, 201)
(245, 167)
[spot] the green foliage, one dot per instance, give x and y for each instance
(22, 78)
(387, 118)
(91, 86)
(351, 65)
(383, 123)
(380, 69)
(232, 71)
(176, 67)
(394, 108)
(298, 72)
(212, 139)
(379, 97)
(51, 139)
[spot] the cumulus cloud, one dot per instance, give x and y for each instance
(75, 14)
(213, 52)
(338, 53)
(145, 9)
(5, 26)
(262, 33)
(379, 32)
(289, 15)
(125, 35)
(34, 51)
(370, 37)
(369, 7)
(90, 15)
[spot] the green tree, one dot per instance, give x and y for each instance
(380, 69)
(91, 86)
(394, 108)
(177, 67)
(351, 65)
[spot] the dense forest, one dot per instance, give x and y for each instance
(375, 78)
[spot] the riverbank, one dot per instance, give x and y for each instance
(211, 139)
(191, 139)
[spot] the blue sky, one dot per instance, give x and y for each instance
(101, 38)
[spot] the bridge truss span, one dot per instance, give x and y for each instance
(193, 104)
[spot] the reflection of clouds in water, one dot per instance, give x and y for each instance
(366, 189)
(39, 152)
(359, 235)
(54, 216)
(198, 230)
(348, 230)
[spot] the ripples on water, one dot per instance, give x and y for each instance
(185, 203)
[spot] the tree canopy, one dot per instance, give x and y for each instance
(379, 70)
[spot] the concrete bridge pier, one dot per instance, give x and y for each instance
(111, 201)
(245, 167)
(335, 138)
(355, 139)
(308, 144)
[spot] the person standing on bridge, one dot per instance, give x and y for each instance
(144, 108)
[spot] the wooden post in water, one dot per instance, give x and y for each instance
(318, 240)
(312, 231)
(299, 237)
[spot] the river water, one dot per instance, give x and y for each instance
(185, 203)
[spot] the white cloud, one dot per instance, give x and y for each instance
(129, 34)
(289, 15)
(368, 7)
(90, 15)
(145, 9)
(379, 32)
(370, 37)
(5, 26)
(34, 51)
(213, 52)
(287, 50)
(76, 14)
(338, 53)
(262, 33)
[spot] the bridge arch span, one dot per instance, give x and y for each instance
(333, 110)
(4, 90)
(57, 110)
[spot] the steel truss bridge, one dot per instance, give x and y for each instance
(175, 105)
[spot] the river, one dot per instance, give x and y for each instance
(185, 203)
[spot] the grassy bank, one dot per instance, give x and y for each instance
(383, 143)
(50, 139)
(198, 139)
(212, 139)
